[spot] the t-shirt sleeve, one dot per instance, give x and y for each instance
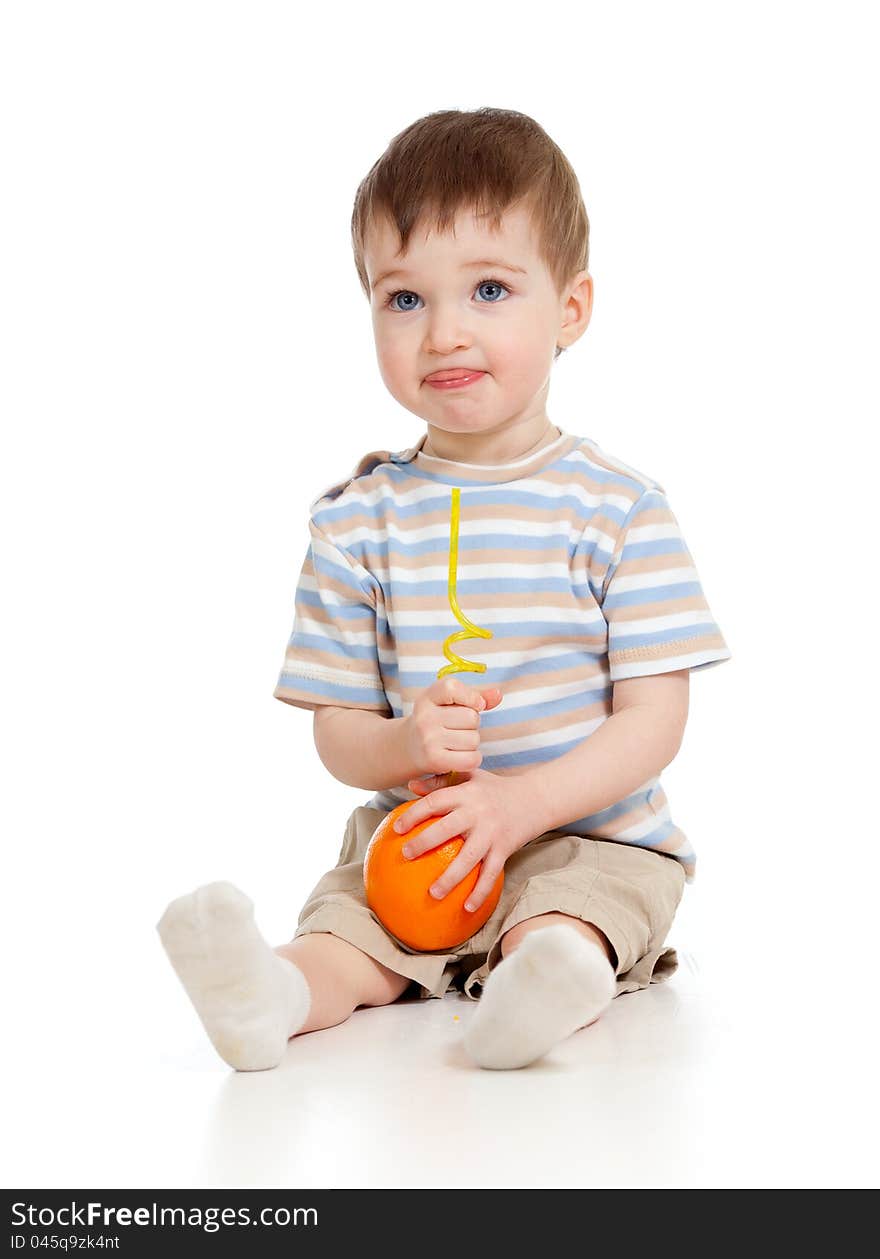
(652, 600)
(333, 653)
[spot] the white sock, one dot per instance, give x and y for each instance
(250, 1000)
(553, 983)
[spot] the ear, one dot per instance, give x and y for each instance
(576, 310)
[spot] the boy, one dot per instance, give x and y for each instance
(471, 243)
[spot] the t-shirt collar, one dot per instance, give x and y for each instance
(451, 472)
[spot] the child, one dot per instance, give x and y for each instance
(471, 243)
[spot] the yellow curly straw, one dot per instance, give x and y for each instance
(457, 664)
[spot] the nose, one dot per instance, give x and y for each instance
(446, 331)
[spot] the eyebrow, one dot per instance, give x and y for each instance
(480, 262)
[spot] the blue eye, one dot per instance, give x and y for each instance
(400, 293)
(492, 284)
(408, 293)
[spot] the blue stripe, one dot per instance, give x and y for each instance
(531, 756)
(594, 627)
(589, 592)
(469, 588)
(499, 676)
(317, 642)
(653, 546)
(651, 594)
(552, 547)
(497, 719)
(338, 572)
(472, 502)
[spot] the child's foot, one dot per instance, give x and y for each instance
(250, 1000)
(553, 983)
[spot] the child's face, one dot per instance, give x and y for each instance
(450, 313)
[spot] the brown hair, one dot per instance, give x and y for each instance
(488, 160)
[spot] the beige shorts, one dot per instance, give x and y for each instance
(631, 894)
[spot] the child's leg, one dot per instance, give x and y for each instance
(340, 977)
(556, 977)
(600, 913)
(252, 999)
(515, 936)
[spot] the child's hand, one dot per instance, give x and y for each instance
(443, 729)
(489, 811)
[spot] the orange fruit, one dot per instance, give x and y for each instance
(397, 889)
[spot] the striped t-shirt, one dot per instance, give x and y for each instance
(570, 557)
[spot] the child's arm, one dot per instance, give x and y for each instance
(364, 749)
(640, 738)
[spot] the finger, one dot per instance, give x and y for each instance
(413, 816)
(461, 741)
(432, 783)
(453, 691)
(439, 831)
(436, 782)
(463, 762)
(453, 875)
(484, 885)
(458, 717)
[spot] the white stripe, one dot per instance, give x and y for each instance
(472, 649)
(319, 629)
(637, 830)
(546, 739)
(656, 624)
(333, 598)
(469, 571)
(473, 529)
(334, 677)
(330, 551)
(443, 619)
(666, 664)
(653, 533)
(539, 694)
(648, 581)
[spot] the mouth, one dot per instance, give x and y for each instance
(454, 378)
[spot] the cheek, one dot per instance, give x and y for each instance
(392, 358)
(522, 347)
(521, 363)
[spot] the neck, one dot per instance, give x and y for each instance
(491, 448)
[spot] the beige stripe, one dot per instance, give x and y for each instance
(662, 651)
(316, 699)
(634, 613)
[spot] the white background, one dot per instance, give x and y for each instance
(188, 361)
